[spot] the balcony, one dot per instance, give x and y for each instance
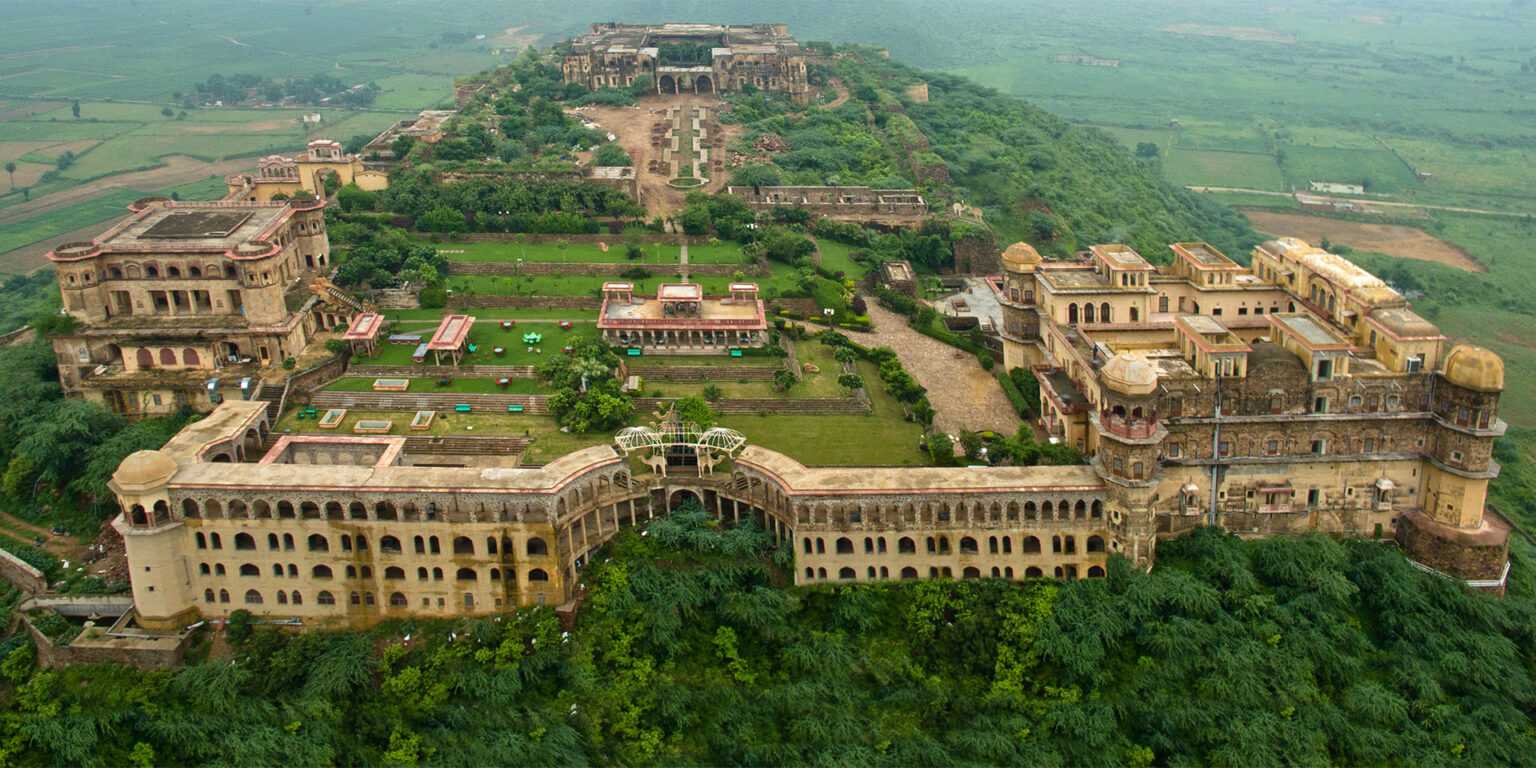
(1139, 430)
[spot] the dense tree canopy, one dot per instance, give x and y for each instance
(690, 650)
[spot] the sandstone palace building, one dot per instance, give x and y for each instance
(689, 58)
(187, 304)
(1296, 394)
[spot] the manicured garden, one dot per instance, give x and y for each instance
(486, 336)
(559, 252)
(426, 386)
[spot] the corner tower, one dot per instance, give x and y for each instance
(1021, 323)
(1454, 531)
(152, 533)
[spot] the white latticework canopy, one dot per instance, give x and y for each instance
(631, 439)
(679, 434)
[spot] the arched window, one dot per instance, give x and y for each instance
(538, 574)
(351, 572)
(207, 595)
(1033, 572)
(325, 598)
(288, 541)
(1135, 315)
(318, 543)
(298, 599)
(463, 546)
(272, 541)
(419, 544)
(244, 541)
(390, 545)
(437, 574)
(277, 570)
(357, 511)
(145, 358)
(810, 573)
(909, 572)
(847, 574)
(495, 574)
(1088, 313)
(968, 545)
(189, 357)
(360, 543)
(1095, 544)
(1095, 572)
(218, 569)
(1096, 511)
(807, 542)
(394, 573)
(1072, 314)
(321, 572)
(971, 572)
(252, 597)
(433, 545)
(844, 546)
(1031, 545)
(466, 574)
(202, 541)
(396, 600)
(1104, 314)
(285, 510)
(167, 356)
(906, 546)
(188, 508)
(536, 546)
(223, 595)
(282, 597)
(421, 573)
(490, 544)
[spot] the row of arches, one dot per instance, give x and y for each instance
(940, 545)
(389, 544)
(944, 512)
(148, 358)
(871, 573)
(325, 572)
(1101, 313)
(153, 271)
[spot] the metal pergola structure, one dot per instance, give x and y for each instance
(674, 436)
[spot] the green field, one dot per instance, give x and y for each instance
(781, 281)
(1378, 170)
(462, 385)
(1223, 169)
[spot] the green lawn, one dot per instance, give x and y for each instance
(716, 253)
(487, 336)
(781, 281)
(712, 361)
(570, 253)
(429, 385)
(882, 438)
(487, 314)
(835, 257)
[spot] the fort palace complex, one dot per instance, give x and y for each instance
(1297, 394)
(689, 58)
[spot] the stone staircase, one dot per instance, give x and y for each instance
(698, 373)
(444, 402)
(833, 406)
(273, 395)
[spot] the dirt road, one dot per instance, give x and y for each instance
(1371, 201)
(964, 397)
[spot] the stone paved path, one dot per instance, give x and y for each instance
(964, 396)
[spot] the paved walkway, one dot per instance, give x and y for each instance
(964, 397)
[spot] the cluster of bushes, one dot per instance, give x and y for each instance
(898, 382)
(385, 257)
(587, 396)
(501, 204)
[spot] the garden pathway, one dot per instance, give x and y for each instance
(964, 397)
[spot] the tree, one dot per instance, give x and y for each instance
(1147, 150)
(784, 379)
(65, 160)
(74, 108)
(694, 409)
(611, 154)
(442, 219)
(10, 170)
(712, 393)
(167, 112)
(850, 381)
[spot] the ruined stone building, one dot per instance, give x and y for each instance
(1299, 394)
(281, 176)
(688, 58)
(188, 304)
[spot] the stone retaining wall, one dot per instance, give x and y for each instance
(21, 575)
(439, 371)
(614, 269)
(480, 301)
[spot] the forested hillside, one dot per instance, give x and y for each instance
(691, 651)
(1037, 177)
